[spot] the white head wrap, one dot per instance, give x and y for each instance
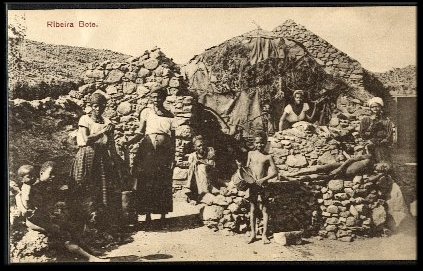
(300, 91)
(375, 100)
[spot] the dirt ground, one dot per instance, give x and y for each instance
(183, 238)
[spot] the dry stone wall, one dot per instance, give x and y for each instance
(339, 208)
(330, 58)
(127, 86)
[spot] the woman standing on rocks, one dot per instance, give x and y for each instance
(92, 169)
(296, 111)
(153, 162)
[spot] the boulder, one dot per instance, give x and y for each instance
(208, 199)
(288, 238)
(336, 185)
(326, 158)
(151, 63)
(129, 87)
(297, 161)
(396, 205)
(124, 108)
(378, 215)
(143, 72)
(180, 173)
(212, 212)
(114, 76)
(142, 91)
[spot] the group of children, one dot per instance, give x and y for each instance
(44, 204)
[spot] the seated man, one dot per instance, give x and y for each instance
(201, 168)
(377, 130)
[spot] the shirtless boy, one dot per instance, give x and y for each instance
(263, 169)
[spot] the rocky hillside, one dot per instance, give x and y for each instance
(51, 70)
(399, 80)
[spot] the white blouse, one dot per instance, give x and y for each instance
(292, 117)
(93, 127)
(155, 124)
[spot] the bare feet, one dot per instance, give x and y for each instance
(252, 239)
(265, 240)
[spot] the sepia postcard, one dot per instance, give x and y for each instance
(211, 133)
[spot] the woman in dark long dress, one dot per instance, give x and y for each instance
(153, 163)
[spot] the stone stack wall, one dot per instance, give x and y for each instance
(128, 85)
(336, 208)
(332, 60)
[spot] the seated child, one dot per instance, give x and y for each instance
(26, 177)
(38, 204)
(201, 169)
(263, 169)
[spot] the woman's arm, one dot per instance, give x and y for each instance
(137, 136)
(91, 138)
(281, 120)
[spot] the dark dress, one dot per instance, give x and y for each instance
(380, 132)
(152, 166)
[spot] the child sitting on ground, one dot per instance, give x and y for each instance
(26, 177)
(262, 168)
(201, 179)
(36, 201)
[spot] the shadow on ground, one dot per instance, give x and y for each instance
(170, 224)
(134, 258)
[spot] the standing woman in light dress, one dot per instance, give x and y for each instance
(296, 111)
(154, 160)
(92, 170)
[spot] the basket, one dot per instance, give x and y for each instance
(243, 178)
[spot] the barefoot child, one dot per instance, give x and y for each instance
(263, 169)
(36, 199)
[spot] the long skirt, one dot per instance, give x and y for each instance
(95, 192)
(152, 169)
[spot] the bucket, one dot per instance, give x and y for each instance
(242, 179)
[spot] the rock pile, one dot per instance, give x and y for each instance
(226, 210)
(128, 85)
(33, 247)
(337, 208)
(334, 61)
(63, 108)
(399, 81)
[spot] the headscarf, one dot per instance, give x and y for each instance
(298, 91)
(376, 100)
(197, 138)
(98, 98)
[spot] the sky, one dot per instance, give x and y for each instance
(380, 38)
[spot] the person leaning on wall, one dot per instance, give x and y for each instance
(296, 110)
